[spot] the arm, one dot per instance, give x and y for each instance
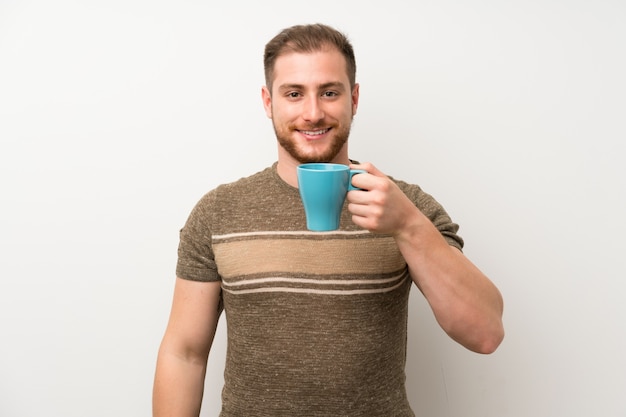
(466, 304)
(182, 358)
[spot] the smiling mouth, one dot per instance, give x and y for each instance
(314, 132)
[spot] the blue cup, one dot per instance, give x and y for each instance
(323, 188)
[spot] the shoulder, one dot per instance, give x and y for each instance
(245, 187)
(416, 194)
(243, 184)
(240, 205)
(432, 209)
(423, 200)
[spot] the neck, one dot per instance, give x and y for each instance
(288, 172)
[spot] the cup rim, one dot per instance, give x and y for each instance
(323, 166)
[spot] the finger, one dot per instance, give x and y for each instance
(369, 167)
(358, 196)
(357, 209)
(360, 180)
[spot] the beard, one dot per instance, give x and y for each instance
(339, 138)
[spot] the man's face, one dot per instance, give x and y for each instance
(311, 105)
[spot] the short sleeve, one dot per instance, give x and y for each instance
(435, 212)
(196, 260)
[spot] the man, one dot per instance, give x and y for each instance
(316, 321)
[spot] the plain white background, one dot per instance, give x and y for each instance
(116, 116)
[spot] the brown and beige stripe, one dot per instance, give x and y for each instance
(309, 262)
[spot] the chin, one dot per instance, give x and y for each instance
(314, 159)
(328, 155)
(309, 154)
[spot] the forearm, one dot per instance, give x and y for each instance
(465, 302)
(178, 386)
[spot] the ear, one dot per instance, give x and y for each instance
(267, 101)
(355, 98)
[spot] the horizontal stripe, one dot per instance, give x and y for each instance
(359, 255)
(303, 233)
(316, 290)
(345, 282)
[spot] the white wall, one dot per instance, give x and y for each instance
(116, 116)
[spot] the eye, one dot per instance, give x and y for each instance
(293, 94)
(329, 94)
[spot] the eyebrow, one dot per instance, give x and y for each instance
(333, 84)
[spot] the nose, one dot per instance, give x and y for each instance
(312, 110)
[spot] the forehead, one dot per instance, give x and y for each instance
(311, 68)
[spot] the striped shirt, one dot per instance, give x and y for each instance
(316, 321)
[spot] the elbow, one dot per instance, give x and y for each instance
(480, 332)
(492, 334)
(479, 339)
(490, 344)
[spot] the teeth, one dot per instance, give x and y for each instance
(314, 132)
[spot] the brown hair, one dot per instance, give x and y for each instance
(307, 38)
